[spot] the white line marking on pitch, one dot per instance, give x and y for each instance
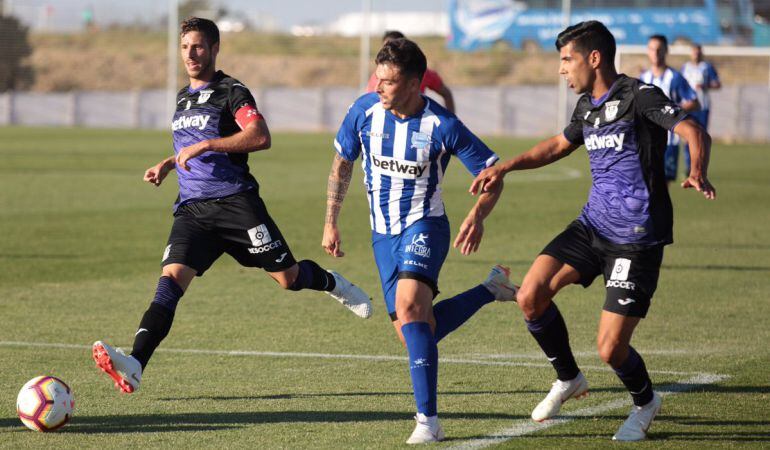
(448, 360)
(527, 426)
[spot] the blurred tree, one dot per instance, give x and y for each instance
(189, 8)
(14, 73)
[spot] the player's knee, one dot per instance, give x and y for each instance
(412, 312)
(612, 352)
(285, 283)
(532, 300)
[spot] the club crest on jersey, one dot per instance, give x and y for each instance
(611, 110)
(204, 95)
(420, 141)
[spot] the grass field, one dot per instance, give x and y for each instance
(248, 365)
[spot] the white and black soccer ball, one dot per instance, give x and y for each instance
(45, 403)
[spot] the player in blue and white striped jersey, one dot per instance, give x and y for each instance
(675, 86)
(406, 141)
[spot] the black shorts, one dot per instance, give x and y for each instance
(630, 271)
(238, 225)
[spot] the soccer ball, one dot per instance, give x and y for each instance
(45, 404)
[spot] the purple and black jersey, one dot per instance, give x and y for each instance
(207, 113)
(625, 134)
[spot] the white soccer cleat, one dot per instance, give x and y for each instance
(639, 420)
(561, 391)
(352, 296)
(126, 371)
(428, 430)
(498, 284)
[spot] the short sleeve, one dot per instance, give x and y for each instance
(653, 104)
(242, 105)
(432, 80)
(472, 152)
(347, 142)
(240, 96)
(574, 130)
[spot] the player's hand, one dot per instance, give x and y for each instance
(156, 173)
(331, 241)
(487, 180)
(469, 237)
(700, 184)
(189, 153)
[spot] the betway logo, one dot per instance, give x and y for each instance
(199, 121)
(594, 142)
(398, 167)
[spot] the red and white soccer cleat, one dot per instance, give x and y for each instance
(126, 371)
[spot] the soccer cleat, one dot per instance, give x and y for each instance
(561, 391)
(498, 284)
(126, 371)
(428, 430)
(639, 420)
(351, 296)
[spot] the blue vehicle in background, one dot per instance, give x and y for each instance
(478, 24)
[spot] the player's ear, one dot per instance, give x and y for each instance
(595, 59)
(215, 49)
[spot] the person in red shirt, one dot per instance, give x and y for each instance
(431, 80)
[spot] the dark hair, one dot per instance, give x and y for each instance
(589, 36)
(660, 38)
(205, 26)
(392, 35)
(405, 55)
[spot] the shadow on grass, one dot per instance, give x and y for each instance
(292, 396)
(175, 422)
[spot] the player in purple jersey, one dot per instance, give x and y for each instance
(623, 227)
(405, 142)
(219, 210)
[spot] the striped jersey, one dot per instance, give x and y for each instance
(404, 160)
(673, 84)
(700, 76)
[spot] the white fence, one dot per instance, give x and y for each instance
(739, 113)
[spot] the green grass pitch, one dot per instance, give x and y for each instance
(81, 237)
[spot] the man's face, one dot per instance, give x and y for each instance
(696, 54)
(576, 69)
(197, 55)
(395, 89)
(656, 52)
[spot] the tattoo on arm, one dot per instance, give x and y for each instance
(339, 180)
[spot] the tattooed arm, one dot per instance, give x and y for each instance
(339, 180)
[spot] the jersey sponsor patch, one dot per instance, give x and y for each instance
(613, 141)
(198, 121)
(621, 268)
(399, 168)
(259, 235)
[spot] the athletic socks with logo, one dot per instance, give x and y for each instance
(157, 320)
(423, 365)
(550, 332)
(633, 374)
(312, 276)
(453, 312)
